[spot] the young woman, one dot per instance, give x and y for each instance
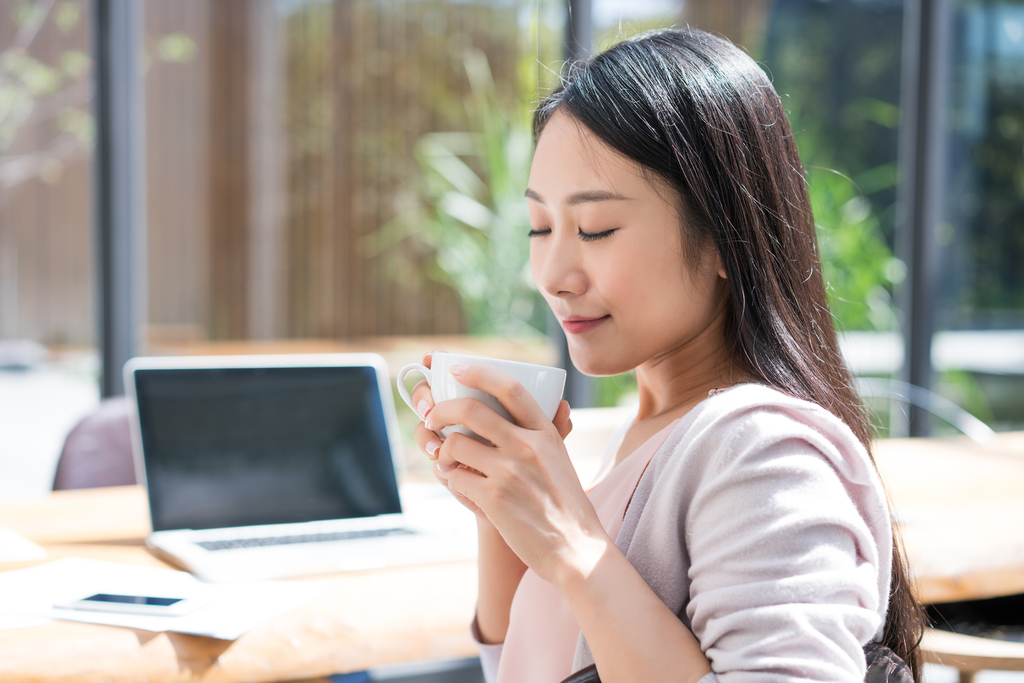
(740, 527)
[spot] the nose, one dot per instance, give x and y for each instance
(557, 265)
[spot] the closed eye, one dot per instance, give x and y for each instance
(591, 236)
(538, 233)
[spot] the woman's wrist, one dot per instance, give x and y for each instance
(621, 618)
(581, 559)
(499, 572)
(484, 526)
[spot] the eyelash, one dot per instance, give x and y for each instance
(593, 236)
(584, 236)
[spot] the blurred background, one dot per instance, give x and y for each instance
(332, 175)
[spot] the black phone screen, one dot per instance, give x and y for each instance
(132, 599)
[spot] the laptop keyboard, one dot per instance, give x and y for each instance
(237, 543)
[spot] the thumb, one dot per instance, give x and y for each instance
(562, 421)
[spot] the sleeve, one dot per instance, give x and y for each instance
(490, 654)
(784, 566)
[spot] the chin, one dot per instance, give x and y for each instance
(595, 364)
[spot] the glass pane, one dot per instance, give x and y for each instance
(48, 367)
(979, 347)
(837, 68)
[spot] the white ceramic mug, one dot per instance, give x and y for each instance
(544, 383)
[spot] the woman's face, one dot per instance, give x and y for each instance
(606, 253)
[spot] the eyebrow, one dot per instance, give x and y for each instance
(581, 197)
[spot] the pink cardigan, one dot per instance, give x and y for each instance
(763, 525)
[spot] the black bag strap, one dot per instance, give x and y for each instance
(884, 666)
(587, 674)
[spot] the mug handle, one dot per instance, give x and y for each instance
(402, 374)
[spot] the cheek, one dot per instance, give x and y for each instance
(638, 281)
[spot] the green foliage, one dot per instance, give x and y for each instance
(962, 388)
(466, 223)
(860, 270)
(67, 15)
(614, 390)
(859, 267)
(832, 64)
(176, 48)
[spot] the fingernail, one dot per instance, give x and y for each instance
(431, 449)
(423, 408)
(448, 467)
(457, 370)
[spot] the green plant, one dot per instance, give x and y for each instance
(614, 390)
(465, 221)
(859, 268)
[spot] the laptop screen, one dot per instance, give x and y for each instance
(245, 446)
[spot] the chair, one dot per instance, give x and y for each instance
(98, 451)
(970, 654)
(896, 390)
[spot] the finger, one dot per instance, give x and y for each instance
(441, 477)
(562, 421)
(459, 449)
(471, 414)
(428, 441)
(428, 357)
(422, 398)
(466, 483)
(509, 391)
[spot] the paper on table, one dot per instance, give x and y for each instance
(8, 623)
(14, 547)
(231, 610)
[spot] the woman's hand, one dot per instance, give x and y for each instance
(524, 483)
(430, 443)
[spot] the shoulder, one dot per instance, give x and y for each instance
(762, 411)
(751, 423)
(772, 455)
(757, 496)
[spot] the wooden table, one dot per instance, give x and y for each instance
(365, 619)
(961, 508)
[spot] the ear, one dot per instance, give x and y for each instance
(719, 268)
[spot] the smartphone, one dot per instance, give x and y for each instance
(149, 605)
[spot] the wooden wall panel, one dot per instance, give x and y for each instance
(177, 173)
(228, 163)
(257, 205)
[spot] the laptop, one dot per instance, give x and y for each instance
(263, 467)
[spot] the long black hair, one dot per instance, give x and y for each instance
(699, 114)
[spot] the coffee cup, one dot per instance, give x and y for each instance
(544, 383)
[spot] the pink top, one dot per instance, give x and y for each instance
(542, 632)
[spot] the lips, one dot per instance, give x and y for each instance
(578, 324)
